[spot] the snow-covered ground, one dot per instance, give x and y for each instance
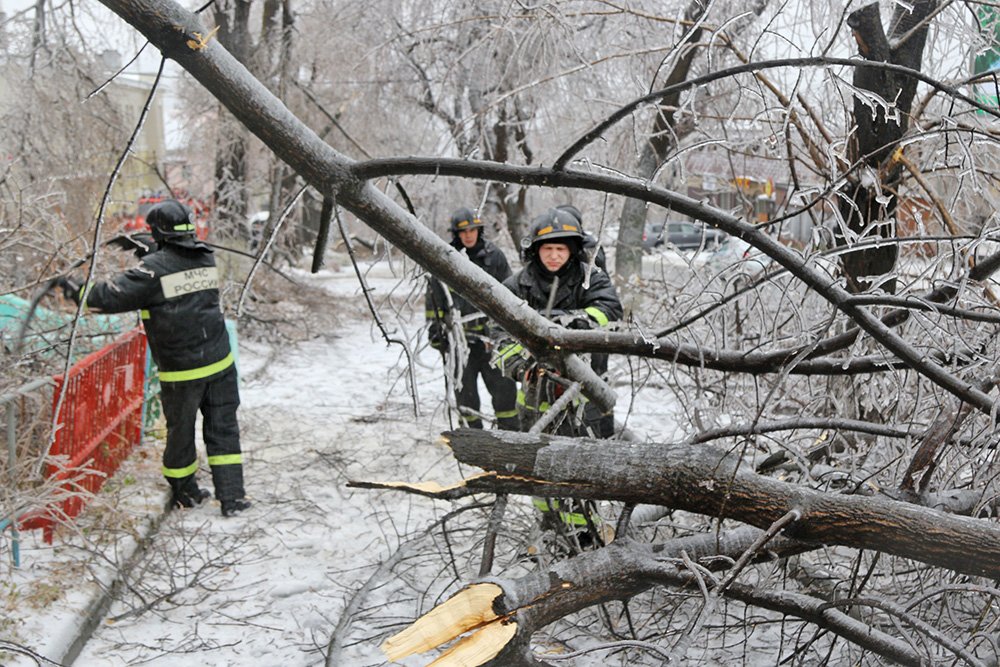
(276, 577)
(269, 587)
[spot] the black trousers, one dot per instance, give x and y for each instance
(217, 398)
(503, 390)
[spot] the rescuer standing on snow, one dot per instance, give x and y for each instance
(176, 288)
(467, 236)
(584, 296)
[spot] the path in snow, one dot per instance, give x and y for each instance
(268, 587)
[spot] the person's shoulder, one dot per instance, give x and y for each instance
(515, 279)
(172, 257)
(598, 276)
(524, 282)
(490, 249)
(594, 269)
(158, 259)
(187, 247)
(495, 255)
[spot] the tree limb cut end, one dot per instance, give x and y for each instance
(469, 609)
(480, 647)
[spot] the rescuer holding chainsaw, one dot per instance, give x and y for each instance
(176, 288)
(443, 308)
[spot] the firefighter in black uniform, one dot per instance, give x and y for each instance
(584, 297)
(176, 288)
(441, 307)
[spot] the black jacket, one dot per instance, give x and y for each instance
(486, 256)
(598, 299)
(586, 306)
(177, 290)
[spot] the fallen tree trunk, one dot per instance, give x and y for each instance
(500, 614)
(708, 481)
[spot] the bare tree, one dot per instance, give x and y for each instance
(232, 20)
(881, 116)
(664, 137)
(774, 506)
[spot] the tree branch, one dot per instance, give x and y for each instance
(172, 30)
(620, 570)
(815, 61)
(817, 280)
(709, 481)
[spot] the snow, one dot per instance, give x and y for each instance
(269, 586)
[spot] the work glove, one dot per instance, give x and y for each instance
(511, 358)
(437, 336)
(70, 287)
(572, 319)
(139, 244)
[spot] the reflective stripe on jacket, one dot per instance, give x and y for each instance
(177, 290)
(598, 298)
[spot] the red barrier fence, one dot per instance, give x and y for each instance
(100, 422)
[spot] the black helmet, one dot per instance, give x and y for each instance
(463, 219)
(555, 226)
(573, 211)
(589, 240)
(170, 220)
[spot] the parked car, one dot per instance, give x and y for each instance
(736, 256)
(681, 235)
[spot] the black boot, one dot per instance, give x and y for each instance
(233, 507)
(190, 499)
(509, 423)
(186, 493)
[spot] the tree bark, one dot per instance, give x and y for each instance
(509, 136)
(662, 139)
(231, 195)
(38, 35)
(871, 197)
(708, 481)
(619, 571)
